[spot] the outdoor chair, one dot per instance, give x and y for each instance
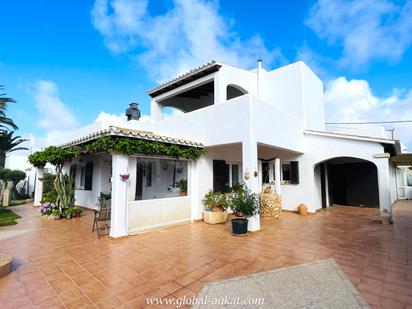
(101, 222)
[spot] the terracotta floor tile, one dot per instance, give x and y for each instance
(185, 280)
(48, 303)
(390, 304)
(171, 287)
(80, 303)
(138, 302)
(195, 286)
(83, 270)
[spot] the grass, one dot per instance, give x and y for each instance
(7, 217)
(17, 202)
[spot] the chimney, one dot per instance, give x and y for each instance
(133, 112)
(258, 73)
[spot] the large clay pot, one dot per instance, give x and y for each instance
(303, 209)
(215, 217)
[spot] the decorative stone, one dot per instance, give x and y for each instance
(270, 205)
(5, 264)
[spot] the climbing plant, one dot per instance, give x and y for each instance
(108, 144)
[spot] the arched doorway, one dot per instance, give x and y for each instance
(347, 181)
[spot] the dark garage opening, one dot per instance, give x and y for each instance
(351, 182)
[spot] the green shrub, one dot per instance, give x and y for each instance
(64, 185)
(245, 203)
(216, 199)
(12, 175)
(50, 197)
(48, 182)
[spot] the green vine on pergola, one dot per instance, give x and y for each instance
(109, 144)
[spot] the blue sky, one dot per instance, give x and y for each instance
(65, 62)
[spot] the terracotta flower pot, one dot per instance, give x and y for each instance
(303, 209)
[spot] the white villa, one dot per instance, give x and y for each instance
(264, 128)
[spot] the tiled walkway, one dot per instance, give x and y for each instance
(62, 264)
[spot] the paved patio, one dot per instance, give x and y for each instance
(62, 264)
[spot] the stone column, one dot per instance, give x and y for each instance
(119, 219)
(193, 190)
(38, 189)
(251, 176)
(277, 176)
(384, 184)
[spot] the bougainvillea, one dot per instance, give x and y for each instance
(109, 144)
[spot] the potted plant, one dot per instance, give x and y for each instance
(386, 217)
(216, 204)
(56, 214)
(77, 212)
(182, 185)
(68, 213)
(245, 204)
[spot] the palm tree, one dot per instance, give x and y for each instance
(5, 122)
(9, 143)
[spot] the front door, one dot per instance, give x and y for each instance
(220, 175)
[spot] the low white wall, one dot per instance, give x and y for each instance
(152, 214)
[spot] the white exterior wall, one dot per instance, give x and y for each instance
(289, 100)
(100, 181)
(152, 214)
(320, 149)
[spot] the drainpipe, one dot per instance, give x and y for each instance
(259, 70)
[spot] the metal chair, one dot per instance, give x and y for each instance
(102, 216)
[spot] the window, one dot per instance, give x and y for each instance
(82, 176)
(72, 172)
(234, 91)
(148, 172)
(88, 181)
(160, 178)
(290, 172)
(235, 174)
(409, 180)
(286, 172)
(86, 176)
(265, 172)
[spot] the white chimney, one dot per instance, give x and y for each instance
(258, 73)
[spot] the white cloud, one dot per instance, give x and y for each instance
(53, 113)
(315, 61)
(354, 101)
(191, 33)
(367, 30)
(113, 118)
